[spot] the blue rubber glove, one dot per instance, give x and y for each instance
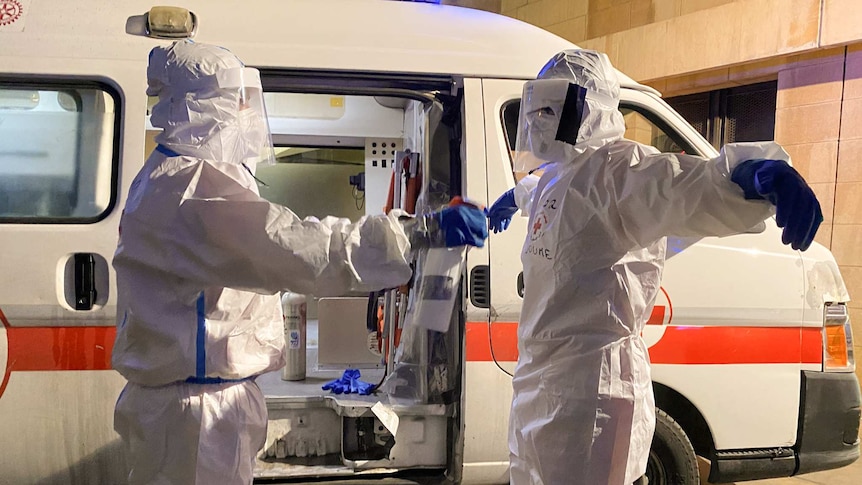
(335, 386)
(462, 225)
(349, 383)
(796, 207)
(501, 212)
(355, 385)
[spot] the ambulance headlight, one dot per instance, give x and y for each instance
(837, 339)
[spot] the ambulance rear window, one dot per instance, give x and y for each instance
(59, 151)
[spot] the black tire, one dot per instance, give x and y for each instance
(671, 458)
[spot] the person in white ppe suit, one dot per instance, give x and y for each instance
(200, 260)
(583, 409)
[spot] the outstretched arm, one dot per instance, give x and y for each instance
(682, 195)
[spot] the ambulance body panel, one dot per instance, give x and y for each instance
(736, 337)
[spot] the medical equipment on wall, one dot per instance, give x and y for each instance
(417, 355)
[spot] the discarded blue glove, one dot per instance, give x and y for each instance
(501, 212)
(462, 225)
(796, 207)
(349, 383)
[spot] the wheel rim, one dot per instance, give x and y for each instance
(655, 471)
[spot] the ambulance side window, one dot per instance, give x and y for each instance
(641, 126)
(59, 151)
(644, 127)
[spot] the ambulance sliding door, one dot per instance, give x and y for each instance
(59, 155)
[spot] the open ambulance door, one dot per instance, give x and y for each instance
(491, 336)
(501, 104)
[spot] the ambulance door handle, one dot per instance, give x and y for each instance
(85, 281)
(521, 284)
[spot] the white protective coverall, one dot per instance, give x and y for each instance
(200, 260)
(583, 409)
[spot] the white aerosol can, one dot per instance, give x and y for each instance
(294, 308)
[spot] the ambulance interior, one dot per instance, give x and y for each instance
(335, 155)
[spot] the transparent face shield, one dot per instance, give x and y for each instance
(550, 121)
(247, 137)
(539, 120)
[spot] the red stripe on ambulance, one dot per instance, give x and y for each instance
(89, 348)
(54, 348)
(658, 310)
(505, 336)
(679, 344)
(60, 348)
(738, 345)
(656, 317)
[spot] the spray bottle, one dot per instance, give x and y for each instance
(294, 308)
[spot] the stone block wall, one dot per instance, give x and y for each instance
(846, 238)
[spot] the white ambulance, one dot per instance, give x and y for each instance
(750, 341)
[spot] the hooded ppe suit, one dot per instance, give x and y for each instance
(583, 409)
(200, 260)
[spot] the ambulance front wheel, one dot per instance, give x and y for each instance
(671, 458)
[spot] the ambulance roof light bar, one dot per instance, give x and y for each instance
(171, 23)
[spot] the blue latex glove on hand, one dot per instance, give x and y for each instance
(501, 212)
(796, 207)
(463, 224)
(349, 383)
